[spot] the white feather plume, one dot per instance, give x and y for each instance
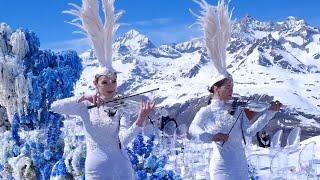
(99, 33)
(215, 23)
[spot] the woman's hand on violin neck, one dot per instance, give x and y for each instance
(275, 106)
(86, 98)
(220, 137)
(145, 110)
(94, 99)
(250, 114)
(97, 101)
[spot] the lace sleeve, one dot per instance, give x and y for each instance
(200, 127)
(69, 106)
(128, 130)
(251, 129)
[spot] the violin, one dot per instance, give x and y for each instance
(255, 105)
(127, 102)
(121, 99)
(113, 107)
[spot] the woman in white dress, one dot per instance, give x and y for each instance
(213, 122)
(107, 130)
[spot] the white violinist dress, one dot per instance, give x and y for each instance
(106, 137)
(228, 162)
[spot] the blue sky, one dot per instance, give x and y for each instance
(163, 21)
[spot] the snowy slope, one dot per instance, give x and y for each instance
(280, 59)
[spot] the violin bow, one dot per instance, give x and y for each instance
(123, 97)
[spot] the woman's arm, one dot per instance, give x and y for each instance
(251, 129)
(127, 130)
(201, 128)
(69, 106)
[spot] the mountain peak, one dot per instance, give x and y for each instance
(247, 19)
(294, 21)
(292, 18)
(133, 33)
(134, 42)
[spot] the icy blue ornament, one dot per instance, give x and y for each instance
(177, 177)
(15, 128)
(47, 154)
(16, 150)
(151, 163)
(59, 169)
(160, 172)
(141, 175)
(50, 76)
(142, 160)
(33, 42)
(161, 162)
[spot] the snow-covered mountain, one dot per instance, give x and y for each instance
(132, 42)
(281, 59)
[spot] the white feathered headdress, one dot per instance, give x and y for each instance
(99, 33)
(215, 22)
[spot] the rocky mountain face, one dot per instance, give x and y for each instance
(280, 59)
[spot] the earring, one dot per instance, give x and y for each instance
(97, 93)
